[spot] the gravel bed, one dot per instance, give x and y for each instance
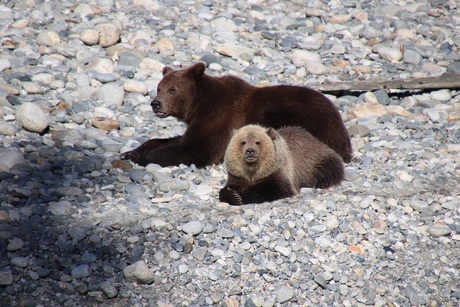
(79, 227)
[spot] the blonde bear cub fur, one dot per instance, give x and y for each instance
(264, 164)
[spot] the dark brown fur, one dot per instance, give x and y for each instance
(266, 165)
(212, 107)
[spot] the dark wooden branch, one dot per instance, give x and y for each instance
(445, 81)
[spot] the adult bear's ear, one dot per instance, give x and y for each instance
(198, 69)
(167, 70)
(272, 133)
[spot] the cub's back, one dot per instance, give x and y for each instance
(312, 159)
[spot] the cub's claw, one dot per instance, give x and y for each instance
(237, 200)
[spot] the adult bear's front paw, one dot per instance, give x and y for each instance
(132, 155)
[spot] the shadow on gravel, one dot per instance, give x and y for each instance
(51, 252)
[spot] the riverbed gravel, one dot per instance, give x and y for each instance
(79, 227)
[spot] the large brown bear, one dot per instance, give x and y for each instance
(213, 107)
(265, 165)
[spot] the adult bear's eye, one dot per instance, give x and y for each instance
(172, 90)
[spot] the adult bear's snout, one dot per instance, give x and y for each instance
(156, 105)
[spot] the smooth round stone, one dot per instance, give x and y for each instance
(316, 68)
(20, 261)
(48, 38)
(182, 268)
(388, 53)
(101, 65)
(15, 244)
(90, 37)
(109, 34)
(111, 93)
(83, 10)
(109, 290)
(411, 57)
(284, 294)
(77, 233)
(138, 272)
(31, 117)
(32, 88)
(439, 229)
(192, 227)
(135, 86)
(61, 208)
(81, 271)
(300, 58)
(441, 95)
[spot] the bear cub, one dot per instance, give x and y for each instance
(264, 164)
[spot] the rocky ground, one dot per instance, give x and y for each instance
(78, 227)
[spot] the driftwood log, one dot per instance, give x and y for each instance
(445, 81)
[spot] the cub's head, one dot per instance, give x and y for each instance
(251, 153)
(176, 91)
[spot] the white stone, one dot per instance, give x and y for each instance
(388, 53)
(48, 38)
(233, 50)
(103, 112)
(109, 34)
(300, 58)
(135, 86)
(316, 68)
(192, 227)
(31, 117)
(90, 37)
(101, 65)
(441, 95)
(111, 93)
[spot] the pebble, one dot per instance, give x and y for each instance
(81, 271)
(192, 227)
(82, 227)
(31, 117)
(111, 93)
(138, 272)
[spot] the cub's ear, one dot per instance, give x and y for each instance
(272, 133)
(167, 70)
(198, 69)
(233, 132)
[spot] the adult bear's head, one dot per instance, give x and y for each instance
(176, 91)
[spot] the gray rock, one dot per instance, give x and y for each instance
(6, 277)
(20, 261)
(414, 296)
(10, 158)
(192, 227)
(454, 68)
(31, 117)
(81, 271)
(111, 93)
(138, 272)
(77, 233)
(109, 290)
(15, 244)
(284, 294)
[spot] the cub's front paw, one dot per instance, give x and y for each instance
(230, 196)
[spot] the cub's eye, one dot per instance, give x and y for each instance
(243, 143)
(172, 90)
(257, 143)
